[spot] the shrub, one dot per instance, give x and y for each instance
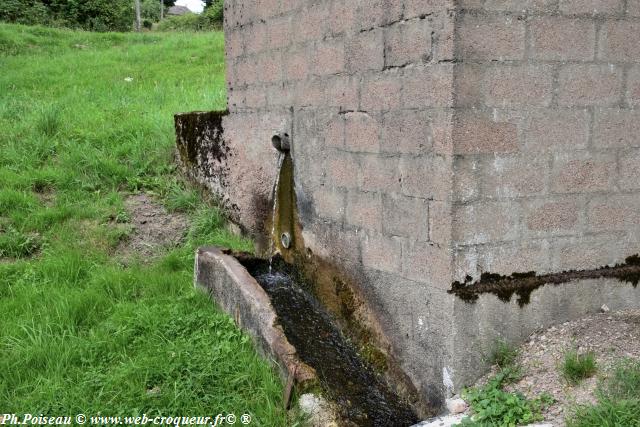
(577, 367)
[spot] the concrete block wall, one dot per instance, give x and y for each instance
(366, 88)
(435, 139)
(546, 134)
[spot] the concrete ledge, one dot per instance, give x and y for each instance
(238, 294)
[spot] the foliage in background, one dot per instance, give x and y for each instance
(86, 119)
(618, 400)
(210, 19)
(92, 15)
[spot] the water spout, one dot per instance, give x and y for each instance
(274, 219)
(281, 142)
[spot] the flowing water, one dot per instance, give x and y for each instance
(274, 197)
(362, 395)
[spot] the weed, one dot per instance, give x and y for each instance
(618, 400)
(504, 354)
(49, 121)
(492, 406)
(578, 366)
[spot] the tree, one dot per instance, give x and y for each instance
(138, 18)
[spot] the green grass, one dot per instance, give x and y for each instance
(80, 332)
(578, 366)
(618, 400)
(504, 354)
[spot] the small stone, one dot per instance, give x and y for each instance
(456, 406)
(604, 308)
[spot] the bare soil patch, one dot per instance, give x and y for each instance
(153, 227)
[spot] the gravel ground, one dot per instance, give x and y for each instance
(610, 335)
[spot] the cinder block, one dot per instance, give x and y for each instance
(514, 176)
(342, 170)
(440, 222)
(329, 204)
(614, 213)
(279, 32)
(421, 8)
(342, 92)
(564, 39)
(426, 263)
(365, 51)
(362, 133)
(380, 174)
(310, 24)
(474, 133)
(343, 17)
(553, 216)
(586, 85)
(311, 93)
(333, 131)
(381, 92)
(408, 42)
(485, 222)
(519, 5)
(500, 38)
(466, 181)
(234, 44)
(255, 97)
(364, 210)
(516, 86)
(427, 86)
(246, 71)
(616, 128)
(468, 85)
(255, 38)
(328, 57)
(296, 65)
(405, 216)
(583, 173)
(633, 85)
(557, 130)
(269, 67)
(515, 257)
(382, 253)
(591, 7)
(426, 177)
(587, 252)
(376, 13)
(620, 41)
(630, 169)
(406, 132)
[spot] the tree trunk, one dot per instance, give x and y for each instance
(138, 25)
(161, 10)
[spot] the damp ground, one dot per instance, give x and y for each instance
(611, 336)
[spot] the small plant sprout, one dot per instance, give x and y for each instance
(578, 366)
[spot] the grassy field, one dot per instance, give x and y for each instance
(79, 331)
